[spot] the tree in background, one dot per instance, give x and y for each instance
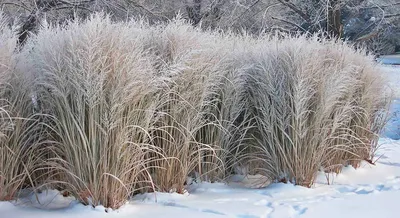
(375, 24)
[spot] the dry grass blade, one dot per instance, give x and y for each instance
(129, 107)
(20, 129)
(311, 104)
(97, 87)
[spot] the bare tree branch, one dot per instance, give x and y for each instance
(367, 36)
(75, 6)
(16, 4)
(289, 22)
(137, 5)
(296, 9)
(381, 6)
(392, 15)
(246, 11)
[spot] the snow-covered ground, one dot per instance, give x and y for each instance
(389, 59)
(369, 192)
(392, 75)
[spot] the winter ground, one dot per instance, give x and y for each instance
(392, 75)
(370, 191)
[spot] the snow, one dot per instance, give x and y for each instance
(369, 191)
(392, 78)
(392, 129)
(389, 59)
(392, 75)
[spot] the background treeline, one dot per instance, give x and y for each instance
(372, 23)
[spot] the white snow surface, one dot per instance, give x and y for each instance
(370, 191)
(392, 77)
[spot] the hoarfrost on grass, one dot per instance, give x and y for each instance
(370, 191)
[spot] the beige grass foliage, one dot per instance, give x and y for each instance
(21, 135)
(95, 82)
(130, 107)
(313, 104)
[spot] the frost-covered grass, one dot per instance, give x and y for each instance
(125, 108)
(20, 130)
